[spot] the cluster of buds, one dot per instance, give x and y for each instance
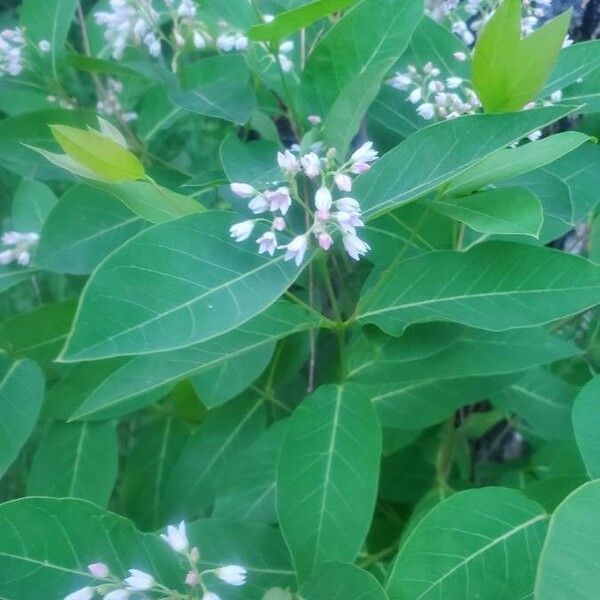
(110, 103)
(326, 216)
(231, 40)
(433, 97)
(12, 43)
(19, 247)
(113, 588)
(137, 23)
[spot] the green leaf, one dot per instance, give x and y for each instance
(84, 228)
(543, 400)
(335, 581)
(39, 334)
(568, 566)
(48, 20)
(101, 155)
(327, 477)
(115, 389)
(372, 35)
(246, 489)
(574, 63)
(32, 204)
(494, 286)
(208, 277)
(291, 21)
(11, 276)
(218, 87)
(21, 395)
(154, 452)
(151, 202)
(476, 544)
(586, 422)
(441, 152)
(509, 72)
(226, 431)
(508, 211)
(76, 460)
(45, 544)
(516, 161)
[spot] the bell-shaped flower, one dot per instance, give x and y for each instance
(325, 241)
(267, 243)
(239, 232)
(355, 247)
(139, 581)
(343, 182)
(365, 154)
(296, 249)
(279, 224)
(232, 574)
(426, 111)
(279, 199)
(311, 164)
(360, 167)
(259, 204)
(86, 593)
(288, 163)
(323, 203)
(348, 221)
(176, 537)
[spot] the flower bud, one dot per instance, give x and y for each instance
(232, 574)
(99, 570)
(343, 182)
(139, 581)
(243, 190)
(192, 579)
(325, 241)
(86, 593)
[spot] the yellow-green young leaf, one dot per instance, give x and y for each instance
(101, 155)
(508, 72)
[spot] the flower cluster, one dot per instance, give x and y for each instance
(434, 97)
(12, 43)
(326, 215)
(19, 247)
(138, 581)
(137, 23)
(110, 103)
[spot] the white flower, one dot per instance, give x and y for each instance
(460, 56)
(325, 241)
(239, 232)
(279, 224)
(360, 168)
(153, 45)
(415, 96)
(210, 596)
(311, 164)
(454, 82)
(241, 43)
(234, 574)
(199, 40)
(226, 42)
(286, 46)
(343, 182)
(349, 205)
(348, 221)
(315, 120)
(86, 593)
(355, 247)
(268, 18)
(536, 135)
(45, 46)
(296, 250)
(556, 96)
(365, 154)
(176, 537)
(243, 190)
(323, 201)
(139, 581)
(286, 64)
(279, 199)
(6, 257)
(259, 204)
(117, 595)
(426, 111)
(267, 243)
(401, 81)
(192, 579)
(99, 570)
(288, 163)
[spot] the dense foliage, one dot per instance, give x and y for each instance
(299, 301)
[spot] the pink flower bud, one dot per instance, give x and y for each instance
(99, 570)
(325, 241)
(343, 182)
(243, 190)
(192, 579)
(279, 224)
(315, 120)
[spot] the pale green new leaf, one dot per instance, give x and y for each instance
(441, 152)
(494, 286)
(76, 460)
(508, 211)
(568, 566)
(46, 543)
(21, 395)
(481, 543)
(185, 276)
(586, 423)
(327, 477)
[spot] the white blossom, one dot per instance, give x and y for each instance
(311, 164)
(415, 96)
(99, 570)
(176, 537)
(325, 241)
(279, 199)
(355, 247)
(22, 247)
(460, 56)
(139, 581)
(556, 96)
(243, 190)
(401, 81)
(45, 46)
(86, 593)
(365, 154)
(12, 44)
(343, 182)
(259, 204)
(323, 202)
(210, 596)
(288, 163)
(199, 40)
(241, 231)
(296, 250)
(426, 110)
(192, 578)
(267, 243)
(315, 120)
(117, 595)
